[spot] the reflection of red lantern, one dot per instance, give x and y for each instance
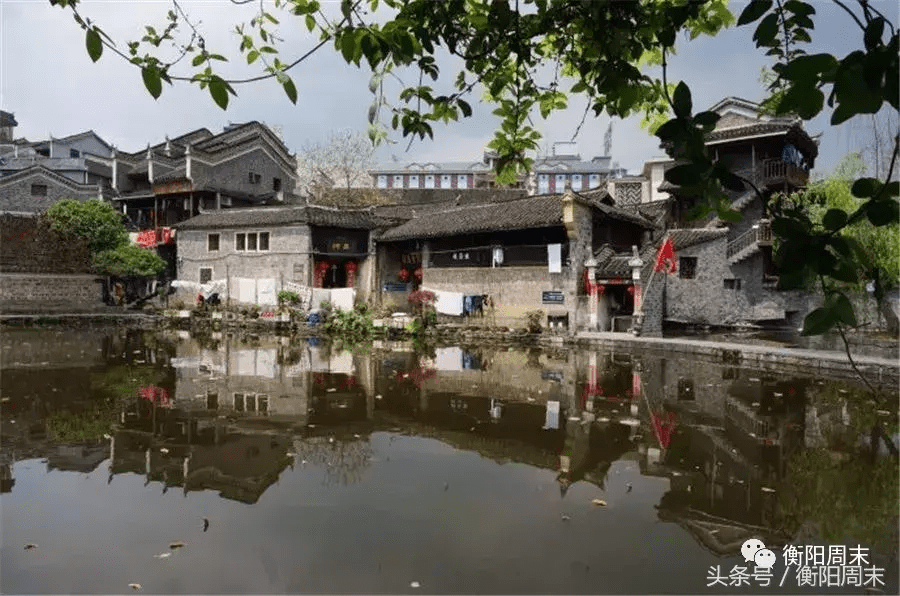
(404, 275)
(631, 291)
(601, 289)
(418, 274)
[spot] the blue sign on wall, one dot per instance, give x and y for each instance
(395, 287)
(552, 297)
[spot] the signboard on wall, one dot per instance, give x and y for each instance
(395, 287)
(172, 187)
(552, 297)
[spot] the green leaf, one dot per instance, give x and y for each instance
(873, 34)
(841, 308)
(310, 22)
(681, 100)
(218, 89)
(706, 119)
(94, 44)
(834, 219)
(198, 59)
(799, 8)
(766, 31)
(865, 188)
(883, 212)
(754, 11)
(464, 107)
(730, 215)
(818, 322)
(684, 175)
(152, 80)
(252, 55)
(290, 89)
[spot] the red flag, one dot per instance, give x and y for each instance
(665, 260)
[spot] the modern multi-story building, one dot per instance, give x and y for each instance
(550, 174)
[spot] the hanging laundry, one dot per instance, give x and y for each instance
(473, 304)
(448, 303)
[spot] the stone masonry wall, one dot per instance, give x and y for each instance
(287, 258)
(16, 196)
(60, 291)
(514, 290)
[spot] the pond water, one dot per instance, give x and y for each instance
(279, 465)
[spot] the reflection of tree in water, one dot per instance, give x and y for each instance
(343, 461)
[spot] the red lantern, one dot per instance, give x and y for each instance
(351, 267)
(631, 290)
(601, 289)
(320, 271)
(418, 274)
(404, 274)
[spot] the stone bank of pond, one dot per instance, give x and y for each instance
(286, 466)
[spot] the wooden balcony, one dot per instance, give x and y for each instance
(773, 173)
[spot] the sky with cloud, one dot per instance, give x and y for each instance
(48, 81)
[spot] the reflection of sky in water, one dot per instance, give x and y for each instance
(472, 472)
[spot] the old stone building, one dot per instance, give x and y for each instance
(257, 252)
(500, 260)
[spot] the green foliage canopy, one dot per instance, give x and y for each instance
(101, 226)
(95, 221)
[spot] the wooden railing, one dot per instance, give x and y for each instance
(760, 233)
(775, 171)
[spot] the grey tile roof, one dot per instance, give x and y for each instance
(598, 199)
(612, 264)
(283, 215)
(530, 212)
(176, 174)
(7, 119)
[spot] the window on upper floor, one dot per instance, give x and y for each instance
(445, 181)
(263, 241)
(382, 181)
(462, 181)
(414, 181)
(212, 242)
(254, 178)
(398, 181)
(732, 284)
(276, 184)
(240, 242)
(74, 153)
(251, 241)
(39, 190)
(687, 267)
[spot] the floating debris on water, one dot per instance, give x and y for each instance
(628, 487)
(377, 397)
(176, 545)
(331, 389)
(163, 450)
(30, 546)
(135, 587)
(414, 584)
(355, 436)
(162, 556)
(205, 524)
(599, 502)
(766, 489)
(565, 517)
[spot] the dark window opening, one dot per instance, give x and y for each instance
(685, 390)
(263, 241)
(240, 242)
(39, 190)
(251, 241)
(205, 274)
(212, 400)
(74, 153)
(254, 178)
(276, 184)
(732, 284)
(239, 402)
(212, 242)
(687, 267)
